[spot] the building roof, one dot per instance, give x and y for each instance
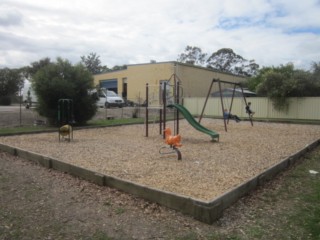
(175, 63)
(227, 92)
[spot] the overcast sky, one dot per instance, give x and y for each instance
(272, 32)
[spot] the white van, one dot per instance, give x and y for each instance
(109, 98)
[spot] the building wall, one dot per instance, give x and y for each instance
(119, 75)
(195, 80)
(141, 74)
(137, 76)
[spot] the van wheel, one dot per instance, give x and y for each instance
(107, 105)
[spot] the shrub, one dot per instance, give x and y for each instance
(62, 80)
(5, 101)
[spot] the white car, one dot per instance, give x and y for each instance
(109, 98)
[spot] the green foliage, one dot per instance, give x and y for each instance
(277, 86)
(11, 81)
(35, 66)
(24, 129)
(254, 81)
(5, 101)
(117, 68)
(279, 83)
(93, 63)
(61, 80)
(224, 60)
(112, 122)
(192, 55)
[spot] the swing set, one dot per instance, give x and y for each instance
(235, 85)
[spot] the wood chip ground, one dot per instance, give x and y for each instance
(207, 169)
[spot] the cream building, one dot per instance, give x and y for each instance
(130, 83)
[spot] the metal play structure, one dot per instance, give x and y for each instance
(164, 98)
(235, 85)
(179, 108)
(172, 101)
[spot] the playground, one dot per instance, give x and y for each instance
(207, 169)
(197, 167)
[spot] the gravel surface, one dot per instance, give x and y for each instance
(207, 170)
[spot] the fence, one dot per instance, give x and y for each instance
(13, 116)
(299, 108)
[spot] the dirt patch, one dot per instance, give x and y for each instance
(207, 170)
(37, 203)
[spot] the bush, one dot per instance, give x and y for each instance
(61, 80)
(280, 83)
(5, 101)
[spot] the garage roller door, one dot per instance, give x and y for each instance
(109, 84)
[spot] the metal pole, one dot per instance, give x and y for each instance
(160, 122)
(147, 111)
(164, 98)
(205, 103)
(222, 106)
(234, 90)
(178, 102)
(20, 115)
(161, 110)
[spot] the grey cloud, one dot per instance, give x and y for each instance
(123, 32)
(9, 17)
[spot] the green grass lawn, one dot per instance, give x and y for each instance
(289, 208)
(115, 121)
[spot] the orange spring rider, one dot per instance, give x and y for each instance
(173, 142)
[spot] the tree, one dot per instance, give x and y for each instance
(93, 63)
(61, 80)
(192, 55)
(253, 82)
(315, 70)
(116, 68)
(276, 87)
(11, 81)
(280, 83)
(225, 60)
(35, 66)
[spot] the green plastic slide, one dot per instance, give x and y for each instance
(187, 115)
